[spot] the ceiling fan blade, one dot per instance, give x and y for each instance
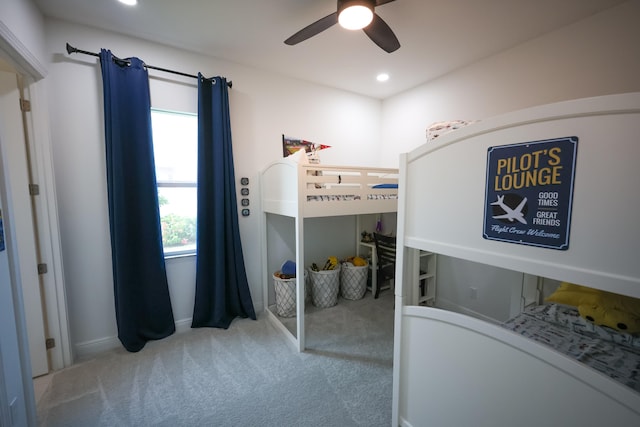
(311, 30)
(381, 2)
(381, 34)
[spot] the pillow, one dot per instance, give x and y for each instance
(600, 307)
(440, 128)
(573, 295)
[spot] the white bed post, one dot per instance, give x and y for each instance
(399, 288)
(358, 235)
(263, 260)
(300, 288)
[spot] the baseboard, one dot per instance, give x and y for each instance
(183, 325)
(405, 423)
(88, 349)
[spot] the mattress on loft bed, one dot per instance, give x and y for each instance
(348, 198)
(608, 351)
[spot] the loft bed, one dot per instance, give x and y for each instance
(295, 188)
(453, 369)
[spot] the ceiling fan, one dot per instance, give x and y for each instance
(373, 26)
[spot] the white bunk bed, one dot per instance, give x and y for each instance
(295, 188)
(455, 370)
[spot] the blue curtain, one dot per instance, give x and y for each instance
(143, 307)
(222, 290)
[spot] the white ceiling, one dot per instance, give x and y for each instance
(436, 36)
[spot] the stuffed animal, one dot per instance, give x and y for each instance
(600, 307)
(605, 314)
(356, 261)
(288, 269)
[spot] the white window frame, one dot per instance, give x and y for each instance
(191, 249)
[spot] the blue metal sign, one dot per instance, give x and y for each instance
(529, 192)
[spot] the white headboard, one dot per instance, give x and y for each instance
(443, 184)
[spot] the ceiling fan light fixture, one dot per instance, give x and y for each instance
(356, 14)
(373, 26)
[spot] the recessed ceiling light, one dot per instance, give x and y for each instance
(382, 77)
(129, 2)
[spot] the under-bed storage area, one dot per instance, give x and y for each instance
(548, 364)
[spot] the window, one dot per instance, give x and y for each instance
(175, 145)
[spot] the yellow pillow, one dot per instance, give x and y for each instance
(600, 307)
(574, 295)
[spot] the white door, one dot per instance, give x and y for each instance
(16, 179)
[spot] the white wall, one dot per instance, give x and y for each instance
(597, 56)
(263, 107)
(492, 288)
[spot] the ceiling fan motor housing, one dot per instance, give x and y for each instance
(343, 4)
(355, 14)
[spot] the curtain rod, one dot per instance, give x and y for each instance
(71, 49)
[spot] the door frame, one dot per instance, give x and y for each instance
(48, 232)
(21, 213)
(37, 126)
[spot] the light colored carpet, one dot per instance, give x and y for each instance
(248, 375)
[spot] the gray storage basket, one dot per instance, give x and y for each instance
(325, 285)
(286, 295)
(353, 281)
